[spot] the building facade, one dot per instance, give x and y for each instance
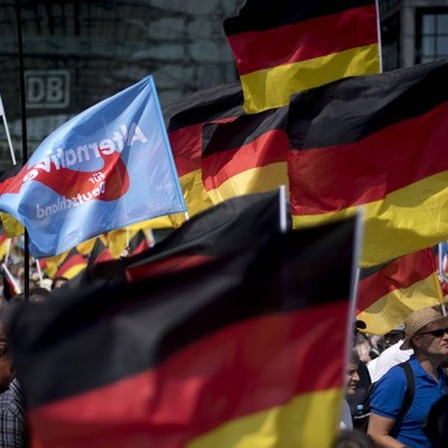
(413, 32)
(74, 53)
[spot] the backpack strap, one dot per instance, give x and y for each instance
(410, 389)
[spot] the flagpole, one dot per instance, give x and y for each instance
(283, 222)
(150, 236)
(8, 136)
(39, 271)
(443, 277)
(26, 252)
(8, 250)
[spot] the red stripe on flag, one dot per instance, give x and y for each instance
(399, 274)
(165, 266)
(304, 40)
(244, 368)
(270, 148)
(336, 177)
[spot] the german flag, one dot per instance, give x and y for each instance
(86, 247)
(185, 120)
(282, 48)
(99, 253)
(5, 242)
(376, 141)
(72, 265)
(242, 222)
(246, 155)
(388, 293)
(138, 243)
(232, 353)
(11, 225)
(50, 265)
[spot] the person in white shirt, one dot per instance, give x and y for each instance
(391, 356)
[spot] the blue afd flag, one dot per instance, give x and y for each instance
(106, 168)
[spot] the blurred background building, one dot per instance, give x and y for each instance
(78, 52)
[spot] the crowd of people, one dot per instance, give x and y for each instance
(399, 418)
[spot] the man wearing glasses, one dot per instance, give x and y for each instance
(426, 332)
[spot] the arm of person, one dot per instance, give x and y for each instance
(379, 429)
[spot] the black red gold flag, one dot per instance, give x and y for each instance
(281, 48)
(235, 352)
(375, 142)
(72, 265)
(138, 243)
(239, 223)
(11, 225)
(99, 253)
(185, 120)
(246, 155)
(388, 293)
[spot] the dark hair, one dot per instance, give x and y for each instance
(354, 356)
(352, 438)
(36, 294)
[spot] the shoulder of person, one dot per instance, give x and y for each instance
(395, 376)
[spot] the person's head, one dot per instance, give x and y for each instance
(352, 438)
(393, 336)
(426, 331)
(351, 373)
(35, 294)
(58, 282)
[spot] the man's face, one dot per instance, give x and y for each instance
(351, 378)
(434, 339)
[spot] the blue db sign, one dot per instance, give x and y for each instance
(47, 89)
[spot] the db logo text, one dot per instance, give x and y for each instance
(47, 89)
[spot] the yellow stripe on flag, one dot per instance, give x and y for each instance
(11, 225)
(195, 195)
(393, 308)
(308, 420)
(406, 221)
(271, 88)
(256, 180)
(74, 271)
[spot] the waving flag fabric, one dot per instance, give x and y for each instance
(12, 226)
(218, 355)
(185, 121)
(72, 265)
(246, 155)
(388, 293)
(138, 243)
(99, 253)
(87, 246)
(4, 242)
(240, 223)
(106, 168)
(376, 141)
(282, 48)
